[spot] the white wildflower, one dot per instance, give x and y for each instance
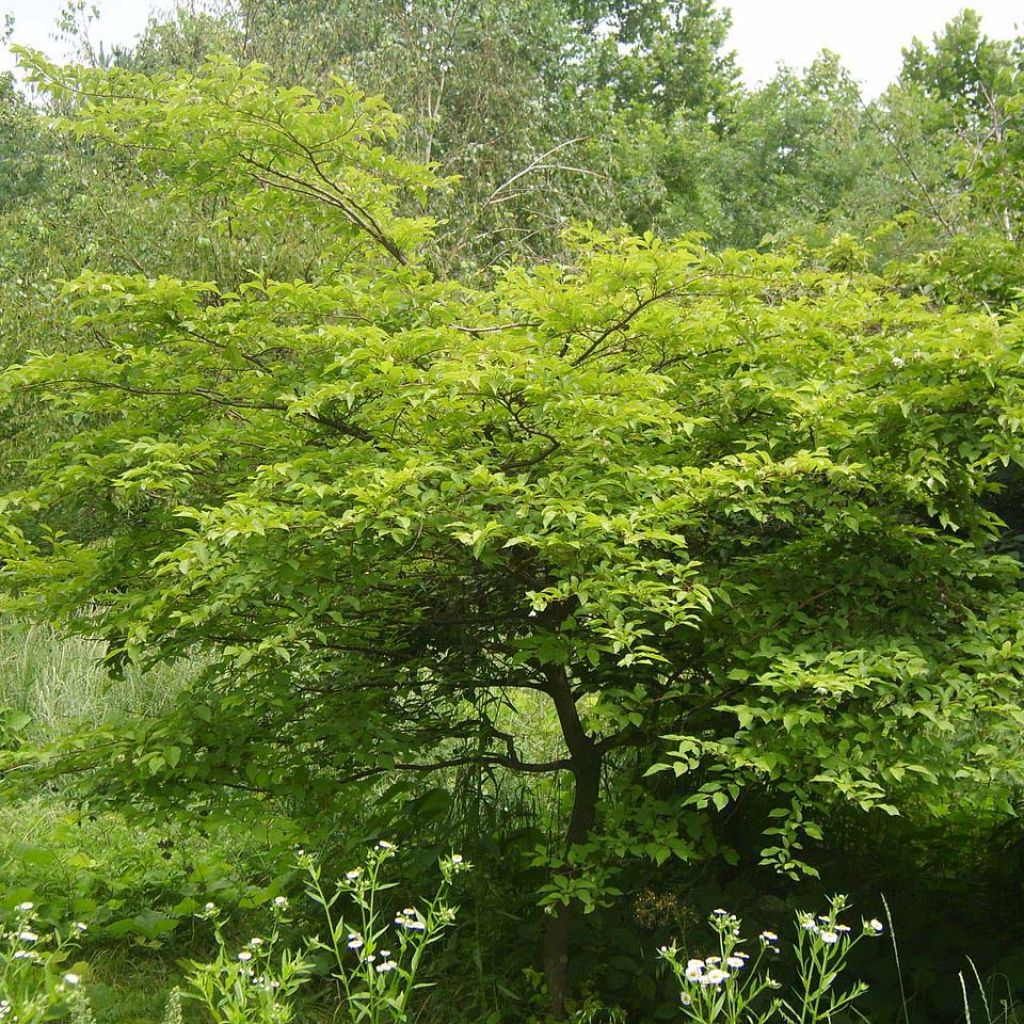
(714, 977)
(734, 961)
(355, 941)
(25, 907)
(245, 955)
(685, 999)
(829, 938)
(385, 966)
(353, 874)
(27, 936)
(385, 845)
(768, 937)
(407, 919)
(898, 363)
(874, 925)
(694, 970)
(72, 979)
(280, 901)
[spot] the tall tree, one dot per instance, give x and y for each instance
(730, 501)
(522, 101)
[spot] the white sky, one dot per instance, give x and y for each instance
(868, 34)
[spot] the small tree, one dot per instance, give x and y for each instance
(732, 500)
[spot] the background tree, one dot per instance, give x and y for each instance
(527, 103)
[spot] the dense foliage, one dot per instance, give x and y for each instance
(477, 500)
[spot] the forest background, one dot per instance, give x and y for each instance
(343, 488)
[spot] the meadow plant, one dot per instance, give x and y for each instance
(34, 987)
(173, 1012)
(251, 985)
(79, 1007)
(733, 987)
(377, 957)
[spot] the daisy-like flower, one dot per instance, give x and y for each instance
(842, 927)
(385, 845)
(719, 912)
(829, 938)
(72, 979)
(694, 970)
(245, 956)
(25, 907)
(23, 954)
(355, 941)
(353, 874)
(734, 961)
(714, 977)
(385, 966)
(685, 999)
(255, 941)
(81, 926)
(407, 919)
(713, 960)
(27, 936)
(874, 925)
(768, 937)
(456, 858)
(280, 901)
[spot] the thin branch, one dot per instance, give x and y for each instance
(533, 165)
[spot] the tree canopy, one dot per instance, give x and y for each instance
(727, 515)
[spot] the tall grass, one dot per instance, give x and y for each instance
(61, 684)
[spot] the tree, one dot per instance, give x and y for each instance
(961, 67)
(668, 57)
(951, 124)
(791, 154)
(528, 103)
(21, 154)
(733, 501)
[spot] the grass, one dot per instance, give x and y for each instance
(129, 880)
(61, 685)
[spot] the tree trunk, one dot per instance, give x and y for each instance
(585, 765)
